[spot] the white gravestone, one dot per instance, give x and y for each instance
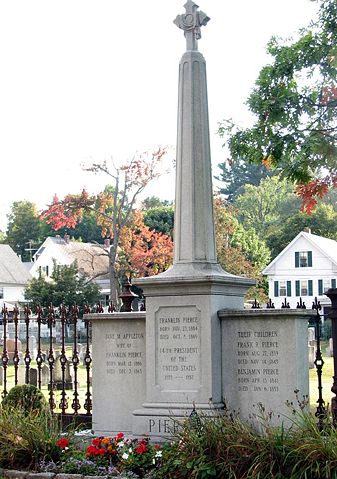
(265, 359)
(118, 370)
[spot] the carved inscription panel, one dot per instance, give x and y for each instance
(257, 360)
(265, 359)
(178, 348)
(124, 352)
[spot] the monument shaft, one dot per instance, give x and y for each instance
(194, 227)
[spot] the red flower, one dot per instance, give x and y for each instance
(119, 436)
(63, 442)
(92, 451)
(141, 448)
(101, 451)
(96, 442)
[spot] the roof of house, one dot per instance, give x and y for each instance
(92, 259)
(326, 245)
(12, 270)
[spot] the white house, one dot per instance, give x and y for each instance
(14, 277)
(92, 260)
(305, 269)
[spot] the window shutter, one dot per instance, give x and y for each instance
(309, 258)
(333, 283)
(309, 287)
(275, 288)
(297, 259)
(289, 289)
(297, 287)
(320, 286)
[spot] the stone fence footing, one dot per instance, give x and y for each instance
(12, 474)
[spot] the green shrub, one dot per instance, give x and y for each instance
(26, 397)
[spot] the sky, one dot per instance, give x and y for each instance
(85, 81)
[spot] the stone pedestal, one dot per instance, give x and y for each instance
(264, 360)
(118, 370)
(183, 348)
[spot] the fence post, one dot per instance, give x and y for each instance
(332, 295)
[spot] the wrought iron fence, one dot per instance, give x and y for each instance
(51, 349)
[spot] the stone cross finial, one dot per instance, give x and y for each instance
(191, 22)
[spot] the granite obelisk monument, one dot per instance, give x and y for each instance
(183, 335)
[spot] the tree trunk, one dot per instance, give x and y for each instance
(114, 283)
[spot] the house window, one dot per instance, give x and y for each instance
(1, 293)
(304, 287)
(303, 259)
(45, 270)
(325, 284)
(283, 288)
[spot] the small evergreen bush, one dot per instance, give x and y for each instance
(27, 398)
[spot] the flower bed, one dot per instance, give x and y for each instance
(105, 456)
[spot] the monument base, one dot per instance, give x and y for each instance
(183, 344)
(162, 421)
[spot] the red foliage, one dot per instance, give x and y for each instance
(69, 211)
(329, 94)
(143, 252)
(310, 192)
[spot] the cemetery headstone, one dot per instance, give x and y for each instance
(118, 370)
(311, 334)
(265, 360)
(10, 346)
(45, 374)
(32, 346)
(58, 382)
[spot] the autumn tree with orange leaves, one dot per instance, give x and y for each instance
(294, 103)
(115, 214)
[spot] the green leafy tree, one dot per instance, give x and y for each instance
(322, 222)
(154, 202)
(266, 206)
(25, 231)
(67, 287)
(294, 102)
(240, 251)
(87, 230)
(236, 174)
(160, 219)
